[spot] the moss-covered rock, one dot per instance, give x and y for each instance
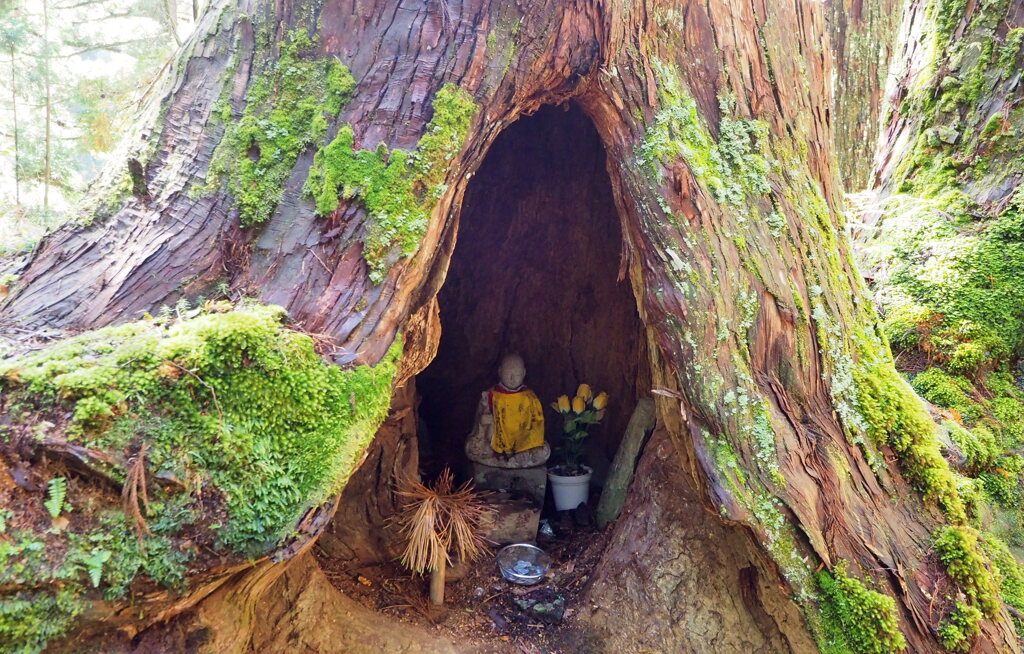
(225, 427)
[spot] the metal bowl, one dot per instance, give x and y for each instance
(523, 563)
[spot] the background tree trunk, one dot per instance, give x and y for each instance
(14, 121)
(760, 332)
(863, 36)
(47, 99)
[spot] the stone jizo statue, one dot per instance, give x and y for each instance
(509, 428)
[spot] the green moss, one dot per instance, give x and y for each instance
(1010, 50)
(960, 552)
(287, 107)
(952, 250)
(904, 323)
(234, 397)
(30, 619)
(961, 626)
(726, 462)
(1002, 481)
(996, 428)
(731, 169)
(238, 408)
(56, 569)
(896, 417)
(978, 445)
(955, 253)
(780, 541)
(972, 282)
(398, 189)
(1011, 575)
(946, 15)
(949, 392)
(857, 619)
(1008, 413)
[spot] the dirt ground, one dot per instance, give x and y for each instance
(480, 611)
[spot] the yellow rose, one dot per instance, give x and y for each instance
(601, 401)
(579, 405)
(584, 392)
(563, 404)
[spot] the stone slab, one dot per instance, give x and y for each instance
(530, 481)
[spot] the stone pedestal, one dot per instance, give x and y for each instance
(514, 519)
(529, 481)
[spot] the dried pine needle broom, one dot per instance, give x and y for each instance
(438, 521)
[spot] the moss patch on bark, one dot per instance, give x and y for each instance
(287, 108)
(398, 189)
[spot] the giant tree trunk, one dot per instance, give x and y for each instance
(716, 122)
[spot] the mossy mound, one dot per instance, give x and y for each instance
(855, 618)
(223, 429)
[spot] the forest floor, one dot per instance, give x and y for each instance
(482, 611)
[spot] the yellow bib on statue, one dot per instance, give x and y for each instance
(518, 421)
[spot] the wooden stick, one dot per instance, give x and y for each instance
(613, 496)
(437, 585)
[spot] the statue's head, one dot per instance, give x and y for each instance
(512, 371)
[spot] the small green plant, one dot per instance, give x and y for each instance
(578, 415)
(93, 563)
(55, 496)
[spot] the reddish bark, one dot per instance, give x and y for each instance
(600, 55)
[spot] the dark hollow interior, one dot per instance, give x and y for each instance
(534, 271)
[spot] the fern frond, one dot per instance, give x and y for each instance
(55, 496)
(94, 565)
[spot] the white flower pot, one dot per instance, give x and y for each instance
(570, 491)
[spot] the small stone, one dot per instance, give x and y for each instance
(943, 134)
(948, 135)
(549, 609)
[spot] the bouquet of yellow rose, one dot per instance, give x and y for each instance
(578, 415)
